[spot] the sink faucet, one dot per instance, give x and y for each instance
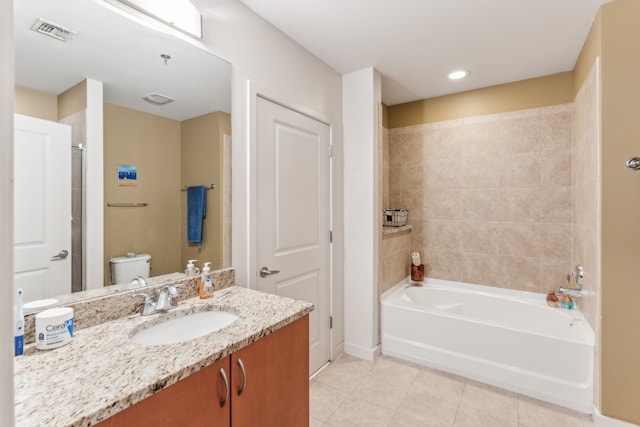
(139, 280)
(149, 306)
(166, 300)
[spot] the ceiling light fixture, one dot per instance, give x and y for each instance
(458, 74)
(180, 14)
(157, 99)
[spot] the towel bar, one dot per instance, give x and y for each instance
(210, 187)
(127, 205)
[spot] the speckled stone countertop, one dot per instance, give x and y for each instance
(100, 372)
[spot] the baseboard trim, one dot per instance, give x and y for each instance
(600, 420)
(369, 354)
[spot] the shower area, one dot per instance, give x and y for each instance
(78, 172)
(508, 200)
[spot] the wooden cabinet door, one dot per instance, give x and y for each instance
(193, 401)
(273, 390)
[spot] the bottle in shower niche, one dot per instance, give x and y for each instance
(206, 282)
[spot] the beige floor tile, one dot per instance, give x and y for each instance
(393, 393)
(345, 373)
(422, 410)
(484, 405)
(432, 400)
(438, 384)
(587, 421)
(314, 422)
(535, 413)
(387, 383)
(355, 412)
(324, 400)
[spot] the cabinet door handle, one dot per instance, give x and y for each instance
(244, 377)
(223, 374)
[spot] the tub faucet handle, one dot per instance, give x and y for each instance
(578, 273)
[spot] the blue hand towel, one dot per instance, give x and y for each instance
(196, 211)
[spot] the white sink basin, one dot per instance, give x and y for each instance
(185, 328)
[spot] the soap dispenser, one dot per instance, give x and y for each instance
(191, 269)
(206, 282)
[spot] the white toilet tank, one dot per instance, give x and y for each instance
(125, 268)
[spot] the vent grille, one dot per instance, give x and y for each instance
(52, 30)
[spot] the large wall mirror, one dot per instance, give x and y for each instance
(171, 146)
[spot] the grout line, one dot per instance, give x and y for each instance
(466, 382)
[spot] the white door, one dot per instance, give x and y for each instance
(42, 207)
(293, 195)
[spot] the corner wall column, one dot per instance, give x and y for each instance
(361, 103)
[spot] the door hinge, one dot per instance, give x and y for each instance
(331, 150)
(330, 236)
(330, 322)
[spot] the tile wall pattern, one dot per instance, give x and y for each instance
(586, 202)
(490, 198)
(395, 250)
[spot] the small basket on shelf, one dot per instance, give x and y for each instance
(394, 217)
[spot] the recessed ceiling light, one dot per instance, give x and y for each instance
(458, 74)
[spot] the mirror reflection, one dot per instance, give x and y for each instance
(145, 153)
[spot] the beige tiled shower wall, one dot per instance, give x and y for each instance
(586, 176)
(395, 257)
(490, 197)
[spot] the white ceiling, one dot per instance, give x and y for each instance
(414, 44)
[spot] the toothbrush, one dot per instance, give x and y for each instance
(19, 332)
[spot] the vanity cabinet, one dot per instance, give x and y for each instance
(268, 385)
(276, 370)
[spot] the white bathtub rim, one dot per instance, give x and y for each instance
(516, 295)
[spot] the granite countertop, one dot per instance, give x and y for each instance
(100, 372)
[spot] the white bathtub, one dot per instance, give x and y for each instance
(506, 338)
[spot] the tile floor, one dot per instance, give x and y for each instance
(390, 392)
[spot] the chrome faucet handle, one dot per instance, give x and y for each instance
(148, 306)
(172, 294)
(139, 280)
(578, 273)
(166, 298)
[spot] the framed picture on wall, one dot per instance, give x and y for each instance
(127, 175)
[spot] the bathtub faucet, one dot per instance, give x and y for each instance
(578, 274)
(572, 292)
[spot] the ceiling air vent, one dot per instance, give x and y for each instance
(158, 99)
(52, 30)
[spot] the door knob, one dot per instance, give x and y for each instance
(60, 255)
(264, 272)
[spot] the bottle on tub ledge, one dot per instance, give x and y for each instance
(206, 282)
(417, 268)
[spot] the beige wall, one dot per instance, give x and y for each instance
(533, 93)
(72, 100)
(202, 164)
(620, 210)
(36, 104)
(152, 144)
